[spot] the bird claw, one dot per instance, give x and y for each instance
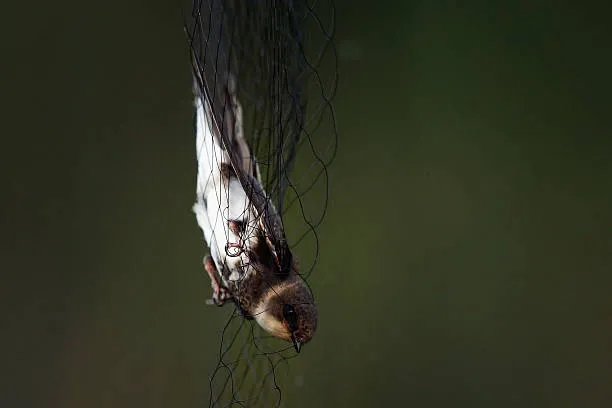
(220, 296)
(233, 249)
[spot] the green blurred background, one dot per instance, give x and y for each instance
(467, 251)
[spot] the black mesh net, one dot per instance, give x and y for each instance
(278, 58)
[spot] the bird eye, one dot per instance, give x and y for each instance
(291, 317)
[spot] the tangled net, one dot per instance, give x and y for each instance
(280, 56)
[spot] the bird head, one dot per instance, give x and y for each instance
(288, 311)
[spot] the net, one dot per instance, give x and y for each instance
(267, 73)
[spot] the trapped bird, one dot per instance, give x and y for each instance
(264, 75)
(250, 261)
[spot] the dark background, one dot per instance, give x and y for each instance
(467, 251)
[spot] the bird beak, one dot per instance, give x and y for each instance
(296, 344)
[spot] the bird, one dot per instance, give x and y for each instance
(250, 262)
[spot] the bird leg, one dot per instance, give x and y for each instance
(236, 248)
(220, 293)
